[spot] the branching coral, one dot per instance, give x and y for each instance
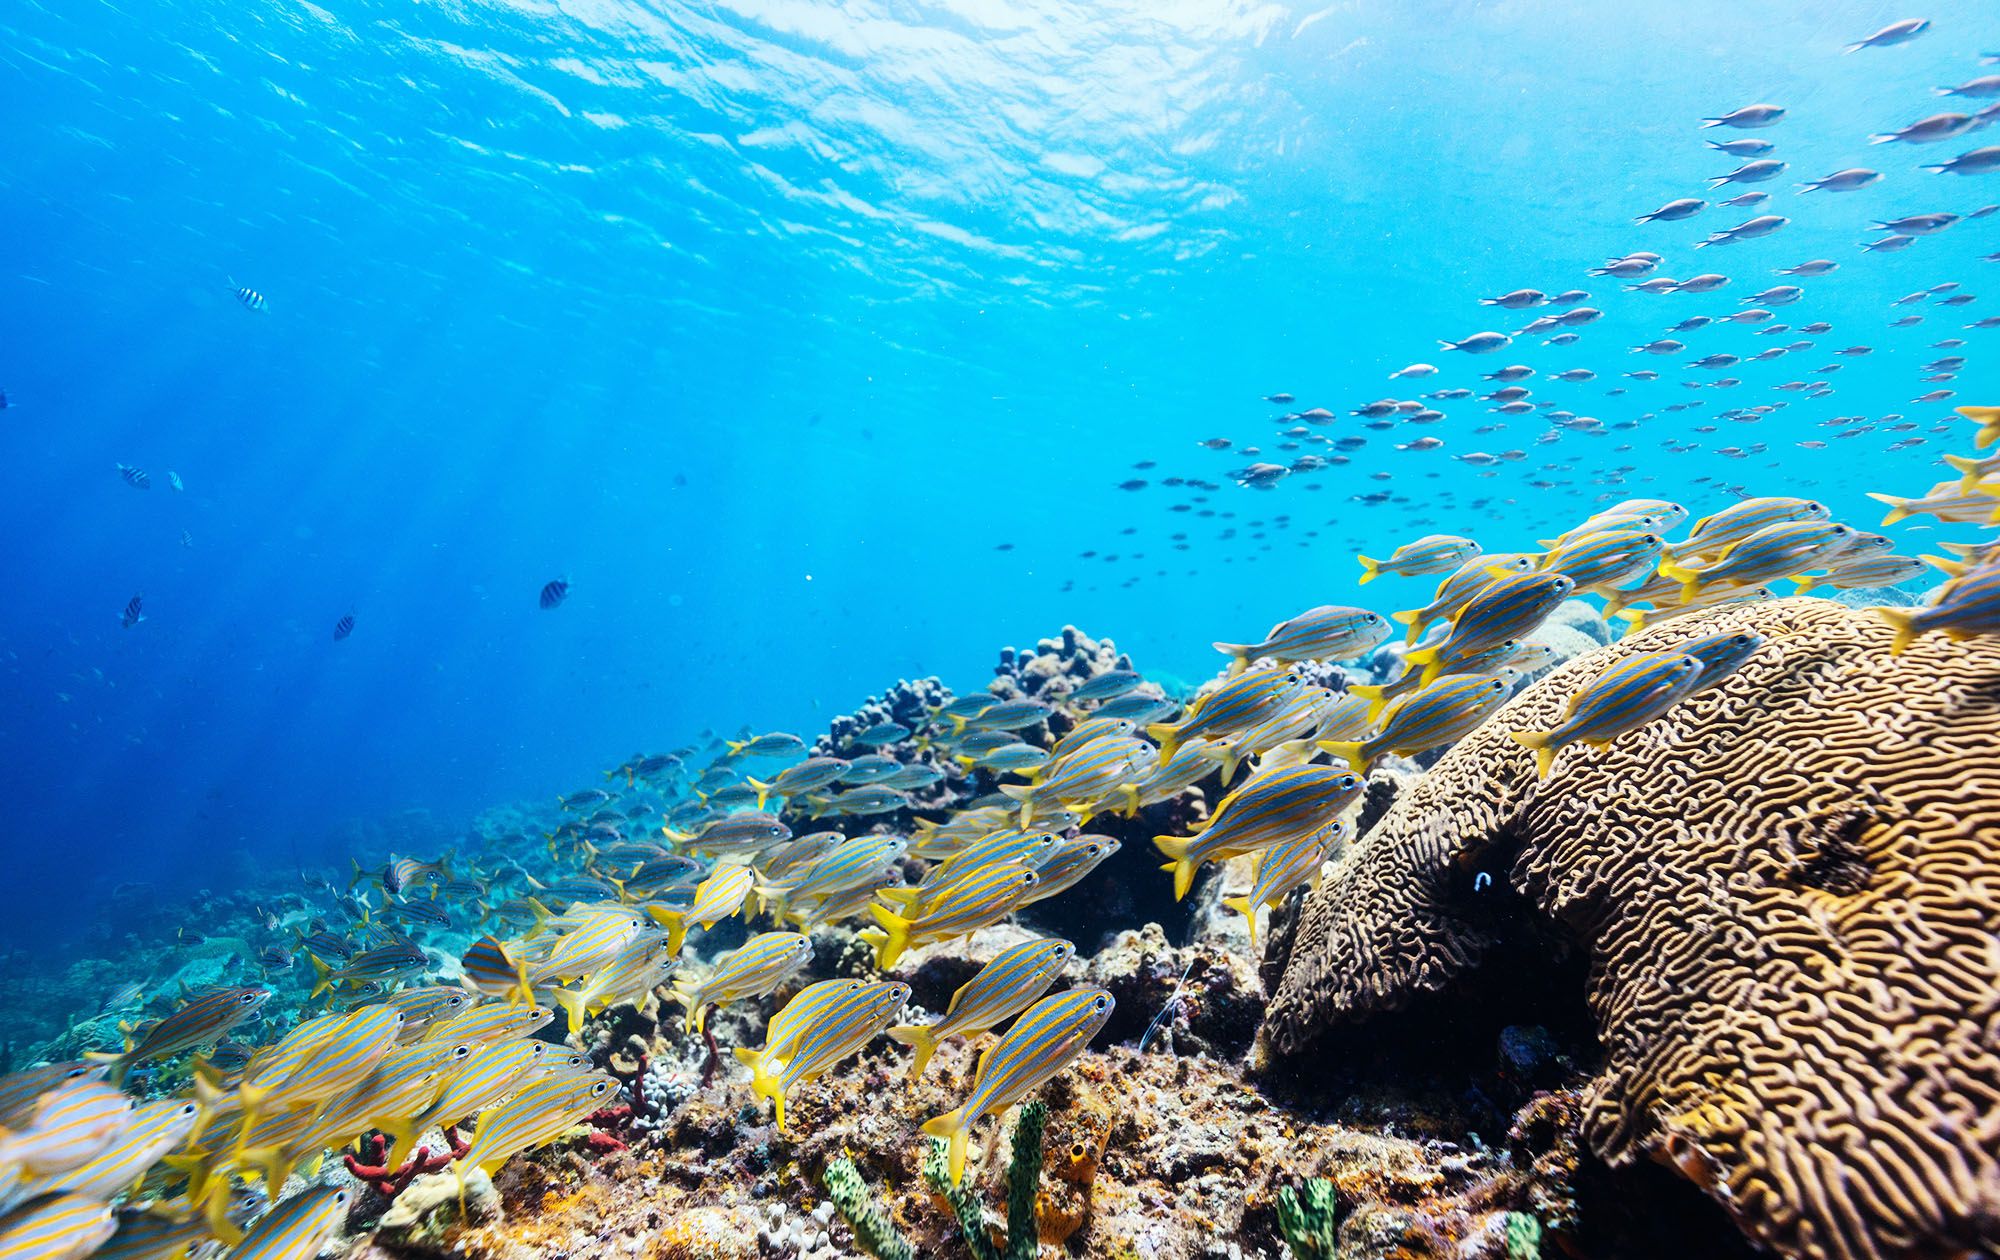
(1787, 888)
(374, 1169)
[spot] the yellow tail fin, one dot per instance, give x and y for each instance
(951, 1127)
(1239, 654)
(574, 1005)
(1176, 850)
(1689, 579)
(1543, 744)
(920, 1039)
(1967, 466)
(1904, 622)
(1243, 907)
(322, 975)
(1370, 569)
(1803, 582)
(1168, 736)
(1898, 508)
(895, 936)
(1353, 751)
(1946, 565)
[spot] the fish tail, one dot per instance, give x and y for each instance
(1969, 467)
(922, 1042)
(1168, 736)
(895, 936)
(763, 790)
(322, 975)
(1176, 850)
(951, 1127)
(1689, 579)
(1898, 508)
(1371, 569)
(574, 1005)
(1239, 654)
(1945, 565)
(1904, 622)
(736, 745)
(1543, 743)
(1353, 751)
(957, 724)
(1231, 758)
(1803, 582)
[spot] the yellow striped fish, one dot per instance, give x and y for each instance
(1283, 867)
(847, 1024)
(982, 896)
(1440, 714)
(295, 1229)
(1268, 808)
(1041, 1043)
(488, 1074)
(56, 1227)
(759, 966)
(542, 1111)
(1629, 694)
(156, 1129)
(67, 1127)
(716, 898)
(1009, 983)
(494, 1021)
(149, 1234)
(805, 1009)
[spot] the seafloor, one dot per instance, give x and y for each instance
(1456, 1108)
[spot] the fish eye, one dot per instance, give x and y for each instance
(248, 998)
(1099, 1004)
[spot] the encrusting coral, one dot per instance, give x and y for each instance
(1787, 891)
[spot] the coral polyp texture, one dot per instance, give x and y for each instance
(1788, 889)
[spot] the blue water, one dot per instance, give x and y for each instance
(768, 324)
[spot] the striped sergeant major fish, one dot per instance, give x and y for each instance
(1010, 983)
(1041, 1043)
(1509, 607)
(1440, 714)
(135, 477)
(250, 299)
(1624, 697)
(1330, 632)
(132, 615)
(1268, 808)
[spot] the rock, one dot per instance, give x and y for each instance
(430, 1206)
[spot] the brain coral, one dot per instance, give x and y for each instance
(1789, 891)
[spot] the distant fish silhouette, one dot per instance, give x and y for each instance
(135, 477)
(343, 627)
(251, 299)
(132, 616)
(554, 594)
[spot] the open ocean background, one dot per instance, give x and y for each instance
(768, 324)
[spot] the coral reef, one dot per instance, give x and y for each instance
(1785, 890)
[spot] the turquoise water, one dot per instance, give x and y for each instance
(810, 343)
